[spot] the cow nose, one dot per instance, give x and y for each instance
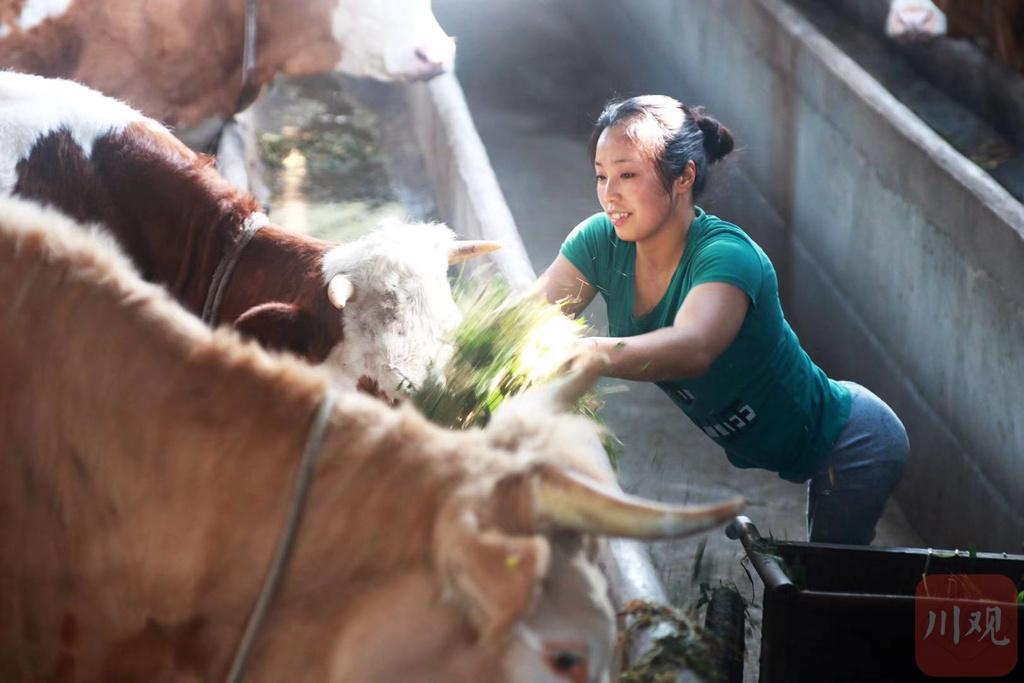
(437, 56)
(916, 18)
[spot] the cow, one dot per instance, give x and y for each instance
(998, 25)
(182, 62)
(149, 463)
(385, 296)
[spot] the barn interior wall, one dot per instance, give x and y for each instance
(900, 262)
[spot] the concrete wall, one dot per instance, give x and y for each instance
(467, 192)
(901, 263)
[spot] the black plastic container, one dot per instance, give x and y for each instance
(847, 613)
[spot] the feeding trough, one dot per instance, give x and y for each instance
(854, 613)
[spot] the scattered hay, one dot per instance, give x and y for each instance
(337, 138)
(689, 647)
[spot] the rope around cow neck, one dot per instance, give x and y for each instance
(221, 276)
(279, 562)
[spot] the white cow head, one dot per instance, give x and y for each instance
(391, 40)
(396, 304)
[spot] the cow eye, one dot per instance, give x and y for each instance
(566, 661)
(571, 666)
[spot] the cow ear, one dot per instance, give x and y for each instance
(280, 327)
(495, 577)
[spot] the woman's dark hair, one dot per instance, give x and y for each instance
(670, 132)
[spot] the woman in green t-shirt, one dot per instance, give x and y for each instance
(693, 306)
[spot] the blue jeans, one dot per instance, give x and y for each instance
(846, 496)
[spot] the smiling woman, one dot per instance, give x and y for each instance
(693, 305)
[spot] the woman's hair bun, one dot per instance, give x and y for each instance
(717, 139)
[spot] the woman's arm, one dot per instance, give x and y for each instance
(707, 322)
(563, 283)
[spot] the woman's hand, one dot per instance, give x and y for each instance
(579, 348)
(585, 345)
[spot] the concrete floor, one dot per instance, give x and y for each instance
(533, 87)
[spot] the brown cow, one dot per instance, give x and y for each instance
(181, 62)
(996, 25)
(148, 466)
(99, 160)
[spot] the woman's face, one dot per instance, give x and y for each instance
(630, 189)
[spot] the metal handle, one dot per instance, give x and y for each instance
(767, 566)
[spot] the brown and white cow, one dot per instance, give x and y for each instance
(181, 62)
(998, 25)
(386, 295)
(148, 465)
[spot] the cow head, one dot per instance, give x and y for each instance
(514, 547)
(392, 293)
(393, 40)
(511, 592)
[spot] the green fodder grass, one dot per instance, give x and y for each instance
(505, 344)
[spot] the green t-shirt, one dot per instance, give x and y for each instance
(763, 400)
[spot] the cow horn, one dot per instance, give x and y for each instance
(339, 291)
(463, 250)
(565, 500)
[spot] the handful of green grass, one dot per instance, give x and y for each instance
(504, 345)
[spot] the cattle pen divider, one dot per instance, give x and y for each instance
(470, 201)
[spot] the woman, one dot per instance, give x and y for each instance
(693, 306)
